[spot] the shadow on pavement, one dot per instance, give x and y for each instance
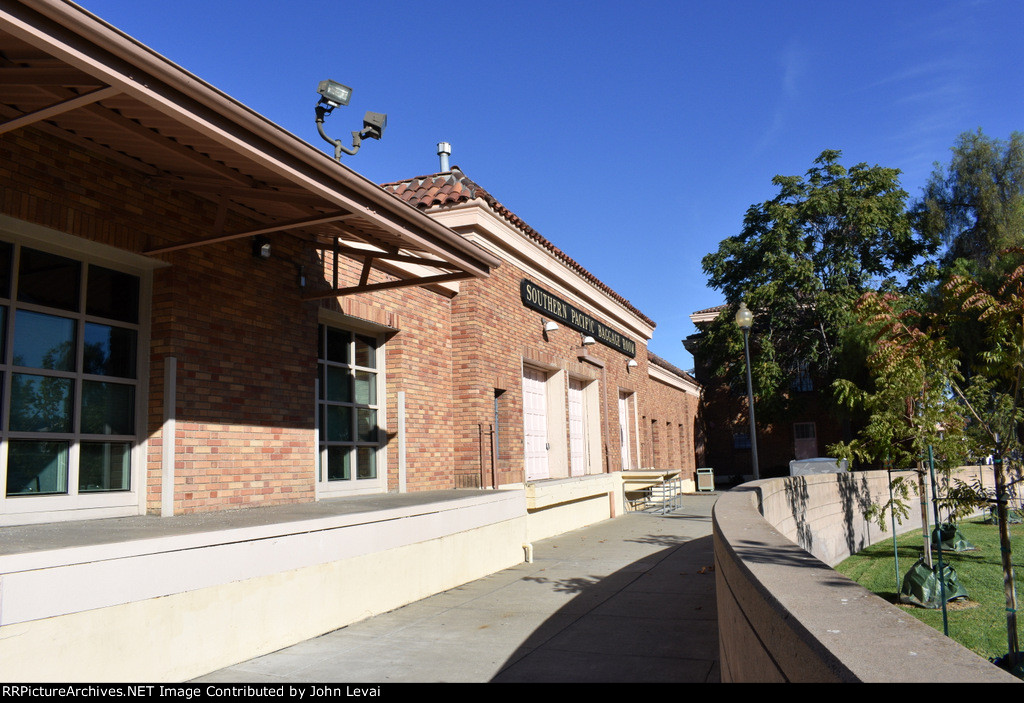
(651, 621)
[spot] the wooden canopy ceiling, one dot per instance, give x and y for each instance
(69, 74)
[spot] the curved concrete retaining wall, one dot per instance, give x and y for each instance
(785, 615)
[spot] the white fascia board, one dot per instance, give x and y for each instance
(705, 316)
(478, 223)
(415, 270)
(670, 379)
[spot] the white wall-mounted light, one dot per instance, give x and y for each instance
(632, 363)
(261, 247)
(551, 326)
(588, 340)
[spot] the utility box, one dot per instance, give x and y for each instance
(705, 479)
(818, 465)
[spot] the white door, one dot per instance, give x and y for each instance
(577, 430)
(627, 462)
(535, 424)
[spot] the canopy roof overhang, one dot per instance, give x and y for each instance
(76, 78)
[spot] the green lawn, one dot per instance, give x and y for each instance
(978, 623)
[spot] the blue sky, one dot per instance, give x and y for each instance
(633, 136)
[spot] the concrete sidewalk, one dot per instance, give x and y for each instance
(628, 600)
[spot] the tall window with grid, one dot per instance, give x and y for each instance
(348, 410)
(69, 351)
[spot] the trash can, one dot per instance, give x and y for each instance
(705, 480)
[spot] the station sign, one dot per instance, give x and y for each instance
(538, 299)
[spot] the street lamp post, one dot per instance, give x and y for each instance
(744, 320)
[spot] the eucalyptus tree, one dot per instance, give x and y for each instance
(975, 204)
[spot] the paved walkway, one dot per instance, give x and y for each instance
(628, 600)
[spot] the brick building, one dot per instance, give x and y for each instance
(202, 312)
(724, 441)
(594, 400)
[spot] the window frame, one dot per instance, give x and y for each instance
(73, 503)
(326, 488)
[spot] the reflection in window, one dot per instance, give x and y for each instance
(366, 351)
(110, 351)
(40, 403)
(108, 408)
(44, 341)
(338, 384)
(72, 336)
(366, 388)
(6, 255)
(112, 294)
(48, 279)
(367, 462)
(338, 464)
(802, 381)
(104, 466)
(37, 467)
(337, 426)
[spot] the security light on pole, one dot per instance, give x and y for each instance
(334, 94)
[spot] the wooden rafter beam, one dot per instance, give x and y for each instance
(159, 140)
(35, 76)
(364, 277)
(278, 227)
(58, 108)
(70, 101)
(402, 283)
(88, 145)
(257, 194)
(388, 256)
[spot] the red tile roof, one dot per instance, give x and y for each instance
(716, 308)
(441, 189)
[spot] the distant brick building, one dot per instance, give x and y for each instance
(724, 434)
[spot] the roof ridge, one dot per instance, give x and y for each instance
(668, 366)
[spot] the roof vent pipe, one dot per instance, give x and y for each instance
(444, 150)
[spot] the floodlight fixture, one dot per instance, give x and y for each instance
(334, 94)
(373, 125)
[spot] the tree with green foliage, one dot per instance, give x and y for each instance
(1001, 357)
(801, 261)
(976, 204)
(913, 408)
(910, 402)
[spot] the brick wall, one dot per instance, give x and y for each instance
(494, 335)
(418, 361)
(671, 416)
